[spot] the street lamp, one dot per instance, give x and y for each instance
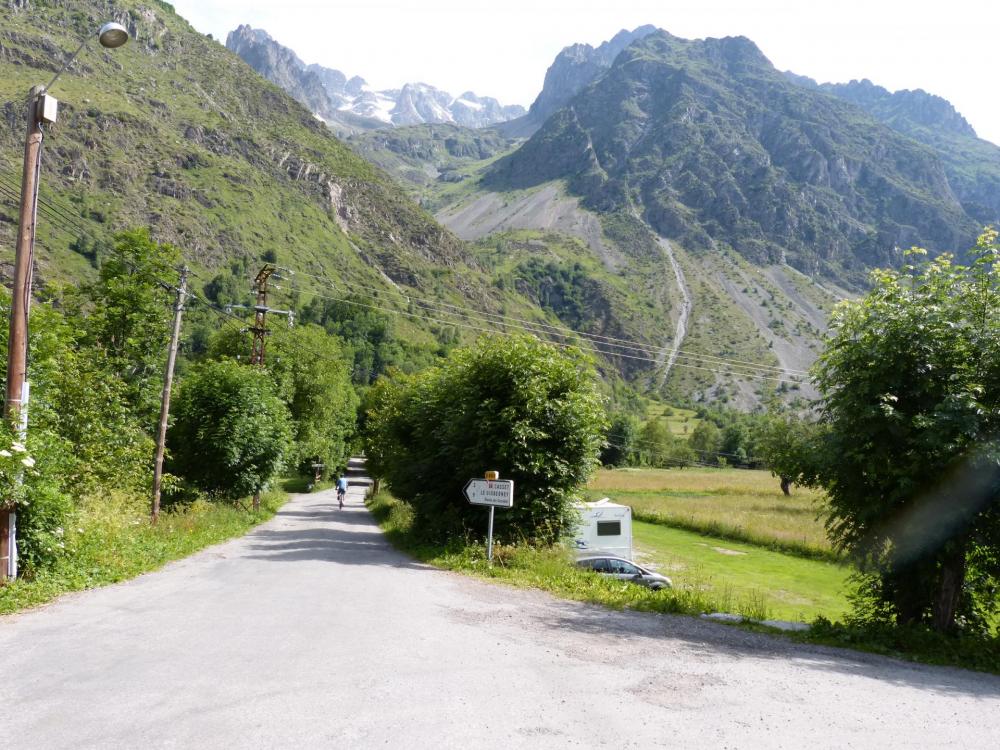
(42, 108)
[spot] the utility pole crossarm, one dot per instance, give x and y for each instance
(259, 329)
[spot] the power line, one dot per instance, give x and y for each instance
(592, 349)
(736, 368)
(600, 339)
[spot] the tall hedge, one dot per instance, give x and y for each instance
(513, 404)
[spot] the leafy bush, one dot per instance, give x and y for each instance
(311, 373)
(232, 433)
(515, 405)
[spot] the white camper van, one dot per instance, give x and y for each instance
(605, 529)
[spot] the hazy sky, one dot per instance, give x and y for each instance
(502, 48)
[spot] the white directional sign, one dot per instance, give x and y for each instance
(498, 493)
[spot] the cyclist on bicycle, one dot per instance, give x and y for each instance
(341, 490)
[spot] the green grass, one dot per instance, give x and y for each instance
(301, 484)
(698, 590)
(735, 504)
(111, 540)
(758, 585)
(788, 587)
(681, 422)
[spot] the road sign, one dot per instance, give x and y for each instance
(498, 493)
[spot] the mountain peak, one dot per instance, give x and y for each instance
(350, 104)
(577, 66)
(717, 148)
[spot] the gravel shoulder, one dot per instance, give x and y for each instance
(313, 631)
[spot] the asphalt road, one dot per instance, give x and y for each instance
(312, 632)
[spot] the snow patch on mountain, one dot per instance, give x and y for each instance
(332, 96)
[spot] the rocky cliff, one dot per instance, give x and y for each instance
(713, 145)
(972, 164)
(574, 68)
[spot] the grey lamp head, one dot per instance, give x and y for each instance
(112, 35)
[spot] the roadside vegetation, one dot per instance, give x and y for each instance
(109, 539)
(550, 568)
(80, 483)
(511, 404)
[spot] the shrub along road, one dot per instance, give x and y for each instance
(312, 631)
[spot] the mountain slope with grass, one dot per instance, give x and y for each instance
(175, 132)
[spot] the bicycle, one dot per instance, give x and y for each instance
(340, 497)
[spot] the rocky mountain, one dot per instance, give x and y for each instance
(177, 133)
(350, 104)
(574, 68)
(972, 164)
(713, 146)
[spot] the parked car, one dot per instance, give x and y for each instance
(625, 570)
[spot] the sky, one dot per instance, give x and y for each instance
(502, 48)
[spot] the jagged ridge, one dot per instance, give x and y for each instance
(351, 104)
(715, 145)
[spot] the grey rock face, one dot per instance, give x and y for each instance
(283, 67)
(903, 108)
(575, 68)
(972, 164)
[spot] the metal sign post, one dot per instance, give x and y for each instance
(489, 543)
(491, 491)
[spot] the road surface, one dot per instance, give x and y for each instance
(312, 632)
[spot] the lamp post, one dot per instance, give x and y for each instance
(42, 109)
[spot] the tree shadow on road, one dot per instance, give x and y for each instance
(709, 639)
(344, 537)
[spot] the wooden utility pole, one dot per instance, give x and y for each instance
(161, 436)
(15, 406)
(259, 329)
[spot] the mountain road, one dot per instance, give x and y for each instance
(311, 631)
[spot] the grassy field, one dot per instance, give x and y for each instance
(111, 540)
(680, 421)
(783, 586)
(737, 504)
(709, 574)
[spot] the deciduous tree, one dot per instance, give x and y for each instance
(513, 404)
(231, 433)
(911, 385)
